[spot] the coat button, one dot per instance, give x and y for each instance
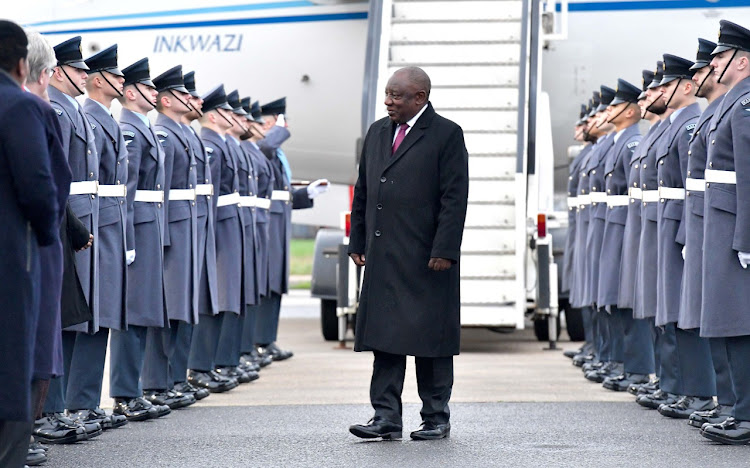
(570, 178)
(661, 162)
(594, 171)
(93, 196)
(688, 172)
(713, 142)
(711, 164)
(158, 186)
(89, 151)
(118, 163)
(379, 206)
(158, 205)
(690, 153)
(377, 233)
(91, 174)
(636, 166)
(609, 191)
(644, 186)
(644, 166)
(382, 180)
(707, 184)
(190, 185)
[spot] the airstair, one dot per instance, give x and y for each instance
(475, 52)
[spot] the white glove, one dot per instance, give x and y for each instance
(317, 187)
(744, 259)
(683, 253)
(130, 256)
(280, 120)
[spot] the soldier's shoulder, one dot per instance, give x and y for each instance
(742, 107)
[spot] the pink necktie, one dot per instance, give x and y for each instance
(400, 137)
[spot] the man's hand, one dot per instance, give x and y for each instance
(89, 244)
(359, 259)
(439, 264)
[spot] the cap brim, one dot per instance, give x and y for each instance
(616, 101)
(721, 48)
(642, 96)
(81, 65)
(700, 64)
(668, 79)
(224, 106)
(147, 83)
(653, 85)
(602, 107)
(181, 89)
(239, 111)
(194, 94)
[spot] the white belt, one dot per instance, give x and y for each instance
(618, 200)
(248, 201)
(635, 192)
(226, 200)
(671, 193)
(281, 195)
(263, 203)
(204, 189)
(572, 202)
(149, 196)
(86, 187)
(650, 196)
(721, 177)
(113, 190)
(182, 194)
(598, 197)
(695, 185)
(584, 199)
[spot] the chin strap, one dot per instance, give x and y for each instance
(244, 129)
(697, 91)
(734, 54)
(101, 72)
(222, 116)
(674, 92)
(619, 113)
(135, 85)
(184, 103)
(71, 81)
(648, 108)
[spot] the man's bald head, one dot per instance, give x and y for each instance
(406, 93)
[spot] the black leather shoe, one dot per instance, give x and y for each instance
(582, 359)
(592, 365)
(571, 353)
(35, 458)
(189, 389)
(644, 389)
(98, 415)
(137, 409)
(730, 432)
(685, 406)
(610, 369)
(377, 428)
(247, 365)
(622, 382)
(276, 353)
(92, 429)
(50, 430)
(654, 400)
(431, 431)
(237, 373)
(715, 416)
(211, 381)
(168, 398)
(36, 446)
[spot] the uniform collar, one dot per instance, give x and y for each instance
(144, 119)
(103, 107)
(674, 114)
(72, 100)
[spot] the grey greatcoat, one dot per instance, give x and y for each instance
(230, 233)
(671, 162)
(208, 296)
(80, 149)
(280, 227)
(692, 284)
(616, 174)
(248, 188)
(726, 221)
(568, 261)
(583, 215)
(180, 235)
(645, 280)
(265, 181)
(595, 234)
(146, 307)
(632, 234)
(30, 220)
(408, 207)
(112, 242)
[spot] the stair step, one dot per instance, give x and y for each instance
(494, 314)
(474, 97)
(489, 240)
(490, 143)
(492, 166)
(464, 10)
(474, 31)
(478, 120)
(489, 290)
(491, 191)
(471, 75)
(462, 63)
(450, 53)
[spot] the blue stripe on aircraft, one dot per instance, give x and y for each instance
(653, 5)
(227, 22)
(184, 12)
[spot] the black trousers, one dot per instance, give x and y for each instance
(14, 443)
(434, 385)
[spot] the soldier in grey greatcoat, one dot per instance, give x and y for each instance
(695, 385)
(624, 114)
(644, 295)
(145, 198)
(727, 227)
(692, 281)
(86, 372)
(180, 244)
(67, 82)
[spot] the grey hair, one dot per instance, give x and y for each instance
(419, 77)
(41, 55)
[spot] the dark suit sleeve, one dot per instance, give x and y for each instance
(300, 199)
(741, 143)
(454, 192)
(358, 235)
(77, 232)
(28, 159)
(134, 164)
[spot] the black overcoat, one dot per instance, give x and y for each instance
(407, 208)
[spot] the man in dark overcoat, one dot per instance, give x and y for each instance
(408, 216)
(30, 213)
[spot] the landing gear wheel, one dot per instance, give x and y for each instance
(329, 322)
(541, 330)
(574, 322)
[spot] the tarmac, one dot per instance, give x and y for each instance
(514, 404)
